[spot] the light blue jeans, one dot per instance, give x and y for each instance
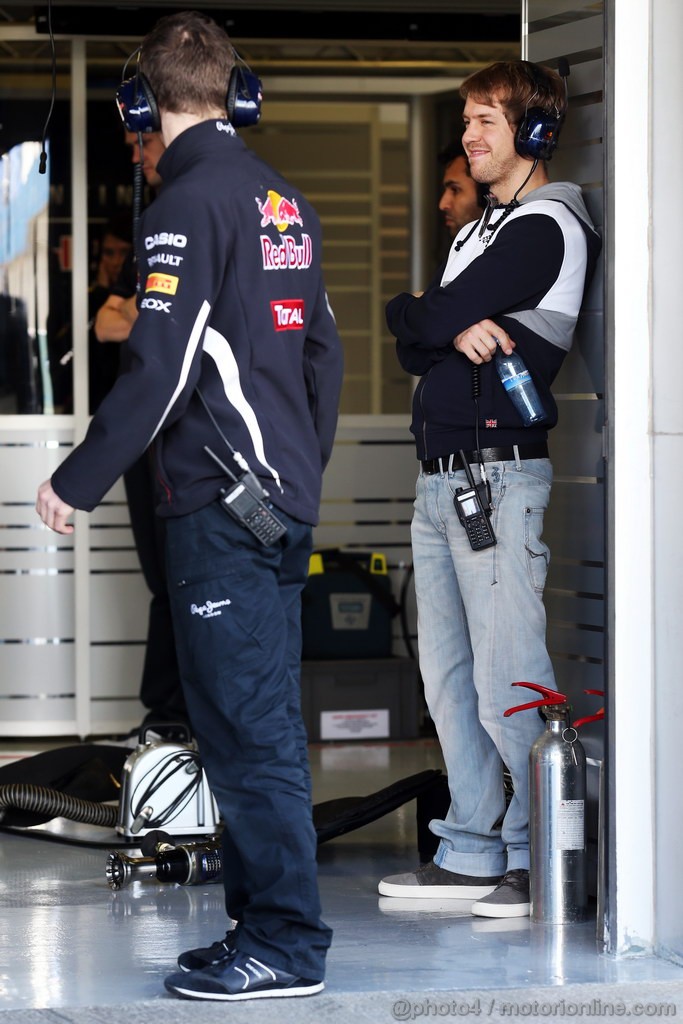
(481, 627)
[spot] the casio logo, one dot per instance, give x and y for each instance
(165, 238)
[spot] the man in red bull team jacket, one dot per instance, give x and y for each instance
(235, 350)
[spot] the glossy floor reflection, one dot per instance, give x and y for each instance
(68, 940)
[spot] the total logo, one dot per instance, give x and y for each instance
(288, 314)
(278, 211)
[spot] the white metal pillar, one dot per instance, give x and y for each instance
(631, 768)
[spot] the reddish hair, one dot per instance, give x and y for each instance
(516, 85)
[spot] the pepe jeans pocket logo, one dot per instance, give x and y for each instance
(209, 609)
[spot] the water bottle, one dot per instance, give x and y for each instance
(517, 381)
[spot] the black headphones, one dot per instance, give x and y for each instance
(140, 113)
(539, 130)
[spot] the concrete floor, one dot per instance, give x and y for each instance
(72, 949)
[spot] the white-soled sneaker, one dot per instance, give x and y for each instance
(240, 977)
(208, 956)
(509, 899)
(432, 881)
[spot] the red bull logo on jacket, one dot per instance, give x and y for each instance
(289, 254)
(279, 211)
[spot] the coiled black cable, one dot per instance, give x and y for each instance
(167, 768)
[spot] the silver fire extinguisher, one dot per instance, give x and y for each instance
(557, 800)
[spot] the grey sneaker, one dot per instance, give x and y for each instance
(510, 899)
(432, 881)
(207, 956)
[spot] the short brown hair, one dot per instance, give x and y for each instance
(187, 59)
(516, 85)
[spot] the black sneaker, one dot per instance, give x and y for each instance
(432, 881)
(240, 977)
(510, 899)
(208, 956)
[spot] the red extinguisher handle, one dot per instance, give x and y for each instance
(591, 718)
(549, 697)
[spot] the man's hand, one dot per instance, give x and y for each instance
(478, 342)
(115, 318)
(52, 510)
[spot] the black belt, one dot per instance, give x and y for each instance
(508, 453)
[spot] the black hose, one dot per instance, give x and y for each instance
(58, 805)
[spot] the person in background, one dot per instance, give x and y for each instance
(514, 277)
(113, 248)
(161, 692)
(235, 375)
(115, 245)
(118, 313)
(462, 198)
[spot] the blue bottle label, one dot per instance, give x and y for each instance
(520, 378)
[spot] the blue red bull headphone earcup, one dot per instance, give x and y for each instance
(539, 130)
(244, 98)
(140, 113)
(137, 105)
(537, 134)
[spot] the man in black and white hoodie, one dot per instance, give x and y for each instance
(516, 277)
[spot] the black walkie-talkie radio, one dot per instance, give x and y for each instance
(245, 501)
(473, 511)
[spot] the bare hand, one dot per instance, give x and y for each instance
(115, 318)
(52, 510)
(479, 342)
